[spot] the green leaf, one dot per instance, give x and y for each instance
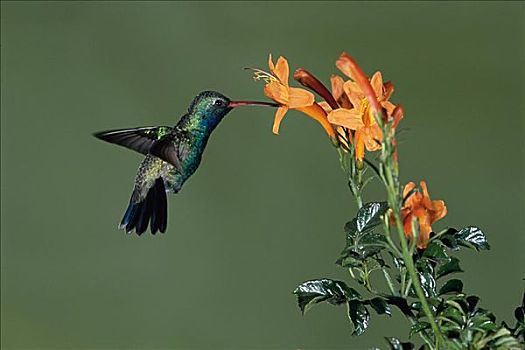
(380, 306)
(396, 344)
(449, 241)
(400, 303)
(398, 263)
(435, 304)
(459, 302)
(482, 323)
(519, 314)
(454, 315)
(361, 242)
(472, 237)
(368, 217)
(359, 248)
(451, 330)
(370, 244)
(452, 286)
(436, 252)
(359, 315)
(428, 283)
(418, 327)
(323, 290)
(424, 265)
(472, 301)
(451, 267)
(349, 259)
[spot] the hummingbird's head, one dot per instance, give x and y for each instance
(209, 107)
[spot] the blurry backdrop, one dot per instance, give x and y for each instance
(263, 213)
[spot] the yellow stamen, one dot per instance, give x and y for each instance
(259, 74)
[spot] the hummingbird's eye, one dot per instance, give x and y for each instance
(219, 103)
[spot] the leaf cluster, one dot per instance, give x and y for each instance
(367, 250)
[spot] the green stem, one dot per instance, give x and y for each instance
(359, 200)
(388, 280)
(392, 188)
(403, 281)
(366, 281)
(390, 284)
(354, 177)
(407, 286)
(407, 257)
(358, 195)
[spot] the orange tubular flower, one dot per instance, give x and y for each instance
(366, 98)
(350, 68)
(425, 210)
(277, 89)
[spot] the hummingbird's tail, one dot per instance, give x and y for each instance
(153, 209)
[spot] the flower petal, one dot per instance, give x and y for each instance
(337, 86)
(389, 90)
(279, 115)
(298, 97)
(281, 70)
(424, 189)
(372, 137)
(359, 145)
(270, 63)
(349, 118)
(424, 231)
(408, 187)
(345, 66)
(439, 210)
(352, 88)
(339, 93)
(397, 115)
(315, 112)
(389, 106)
(426, 198)
(325, 106)
(377, 84)
(354, 93)
(277, 92)
(407, 216)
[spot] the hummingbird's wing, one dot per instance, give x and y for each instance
(169, 150)
(137, 139)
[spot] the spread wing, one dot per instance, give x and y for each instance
(137, 139)
(172, 148)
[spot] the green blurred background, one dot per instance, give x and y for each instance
(263, 213)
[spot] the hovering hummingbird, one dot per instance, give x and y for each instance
(172, 156)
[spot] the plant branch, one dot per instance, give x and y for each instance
(393, 201)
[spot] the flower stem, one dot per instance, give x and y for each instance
(355, 175)
(394, 204)
(359, 201)
(358, 196)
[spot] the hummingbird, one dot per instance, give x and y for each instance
(172, 154)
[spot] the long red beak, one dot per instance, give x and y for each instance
(234, 104)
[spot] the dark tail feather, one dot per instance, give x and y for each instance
(153, 209)
(159, 216)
